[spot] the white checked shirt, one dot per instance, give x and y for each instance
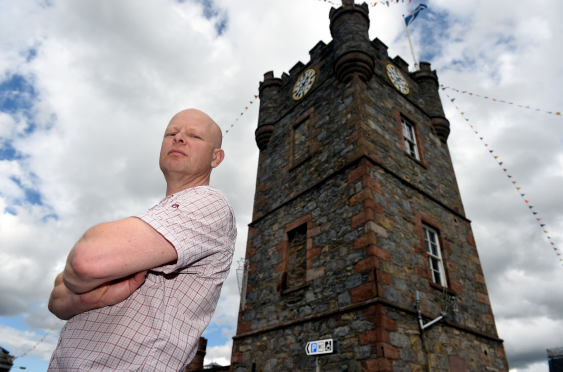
(158, 327)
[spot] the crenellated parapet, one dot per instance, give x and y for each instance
(428, 82)
(349, 27)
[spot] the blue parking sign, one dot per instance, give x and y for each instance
(314, 347)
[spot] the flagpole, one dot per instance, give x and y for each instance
(410, 42)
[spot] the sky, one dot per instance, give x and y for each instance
(87, 88)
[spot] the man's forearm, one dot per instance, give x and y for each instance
(115, 250)
(65, 303)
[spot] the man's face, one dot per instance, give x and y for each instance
(189, 147)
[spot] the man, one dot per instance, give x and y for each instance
(140, 291)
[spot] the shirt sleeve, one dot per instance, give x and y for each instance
(198, 225)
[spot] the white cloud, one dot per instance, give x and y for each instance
(108, 76)
(535, 367)
(19, 342)
(222, 354)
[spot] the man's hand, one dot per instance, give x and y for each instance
(65, 304)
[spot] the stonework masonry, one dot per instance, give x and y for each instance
(336, 246)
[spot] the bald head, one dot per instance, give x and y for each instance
(191, 148)
(204, 121)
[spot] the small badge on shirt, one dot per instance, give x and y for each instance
(175, 205)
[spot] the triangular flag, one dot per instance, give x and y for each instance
(500, 163)
(522, 195)
(545, 231)
(246, 108)
(496, 157)
(557, 113)
(453, 99)
(518, 188)
(531, 206)
(255, 96)
(251, 102)
(513, 182)
(527, 201)
(542, 224)
(539, 219)
(509, 176)
(463, 113)
(535, 213)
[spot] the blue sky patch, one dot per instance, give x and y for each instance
(32, 53)
(8, 152)
(16, 94)
(431, 28)
(210, 11)
(215, 335)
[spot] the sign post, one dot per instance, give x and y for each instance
(320, 347)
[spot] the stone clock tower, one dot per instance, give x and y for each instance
(356, 210)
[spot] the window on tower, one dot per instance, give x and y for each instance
(434, 256)
(301, 141)
(410, 139)
(297, 257)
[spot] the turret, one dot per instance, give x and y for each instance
(349, 27)
(428, 82)
(268, 106)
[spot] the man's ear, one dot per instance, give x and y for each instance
(218, 156)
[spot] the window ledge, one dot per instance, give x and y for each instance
(298, 163)
(294, 289)
(416, 160)
(441, 288)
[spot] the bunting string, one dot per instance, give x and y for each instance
(40, 341)
(500, 101)
(368, 4)
(510, 178)
(241, 114)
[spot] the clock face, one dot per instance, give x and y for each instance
(304, 84)
(398, 79)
